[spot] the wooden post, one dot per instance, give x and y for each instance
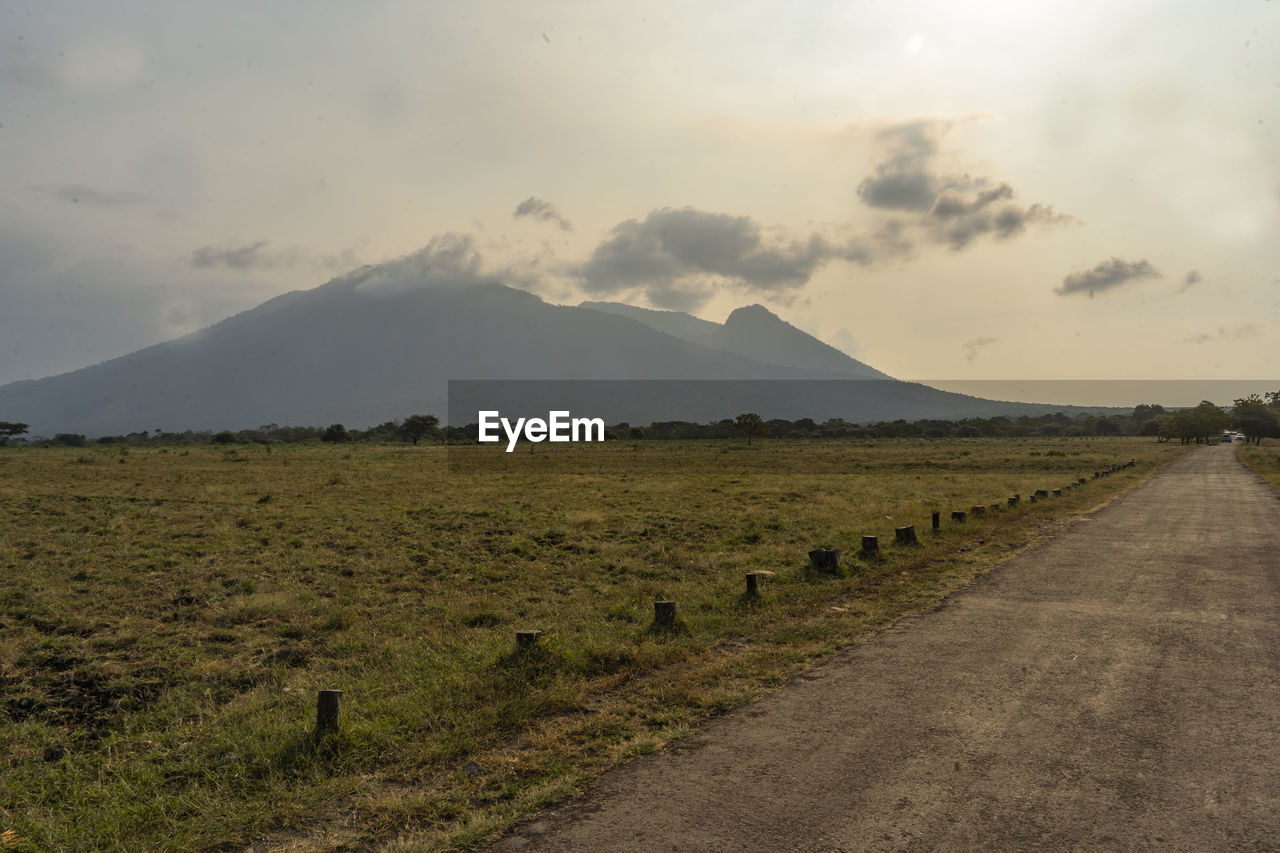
(1042, 493)
(959, 515)
(1057, 493)
(1082, 481)
(906, 535)
(937, 520)
(870, 545)
(824, 558)
(995, 508)
(526, 641)
(753, 582)
(327, 703)
(664, 613)
(978, 509)
(1013, 500)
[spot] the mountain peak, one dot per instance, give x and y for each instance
(752, 314)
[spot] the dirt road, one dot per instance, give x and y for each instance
(1117, 687)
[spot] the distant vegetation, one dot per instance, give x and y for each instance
(1256, 416)
(10, 430)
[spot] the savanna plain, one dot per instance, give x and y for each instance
(167, 616)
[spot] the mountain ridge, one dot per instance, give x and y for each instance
(752, 331)
(365, 348)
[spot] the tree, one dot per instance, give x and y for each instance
(1180, 426)
(1251, 416)
(1151, 427)
(336, 433)
(1145, 412)
(10, 430)
(417, 427)
(1209, 422)
(749, 424)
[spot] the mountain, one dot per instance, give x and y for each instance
(754, 332)
(677, 324)
(357, 352)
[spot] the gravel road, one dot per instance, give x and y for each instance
(1114, 688)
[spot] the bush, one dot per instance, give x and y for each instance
(336, 433)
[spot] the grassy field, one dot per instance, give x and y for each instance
(166, 618)
(1264, 458)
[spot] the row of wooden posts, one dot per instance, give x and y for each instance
(829, 558)
(664, 612)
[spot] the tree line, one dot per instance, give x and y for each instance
(1256, 416)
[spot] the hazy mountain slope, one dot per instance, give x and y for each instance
(342, 354)
(370, 347)
(754, 332)
(758, 333)
(678, 324)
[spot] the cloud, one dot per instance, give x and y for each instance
(535, 208)
(905, 181)
(1106, 275)
(448, 260)
(952, 210)
(1237, 332)
(678, 257)
(247, 257)
(82, 194)
(1190, 280)
(957, 218)
(256, 256)
(974, 347)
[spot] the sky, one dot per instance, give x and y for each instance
(970, 191)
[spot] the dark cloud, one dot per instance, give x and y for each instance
(678, 256)
(251, 256)
(535, 208)
(952, 210)
(905, 180)
(898, 190)
(958, 218)
(257, 256)
(1106, 275)
(1190, 280)
(974, 347)
(82, 194)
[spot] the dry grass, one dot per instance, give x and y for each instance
(167, 617)
(1263, 458)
